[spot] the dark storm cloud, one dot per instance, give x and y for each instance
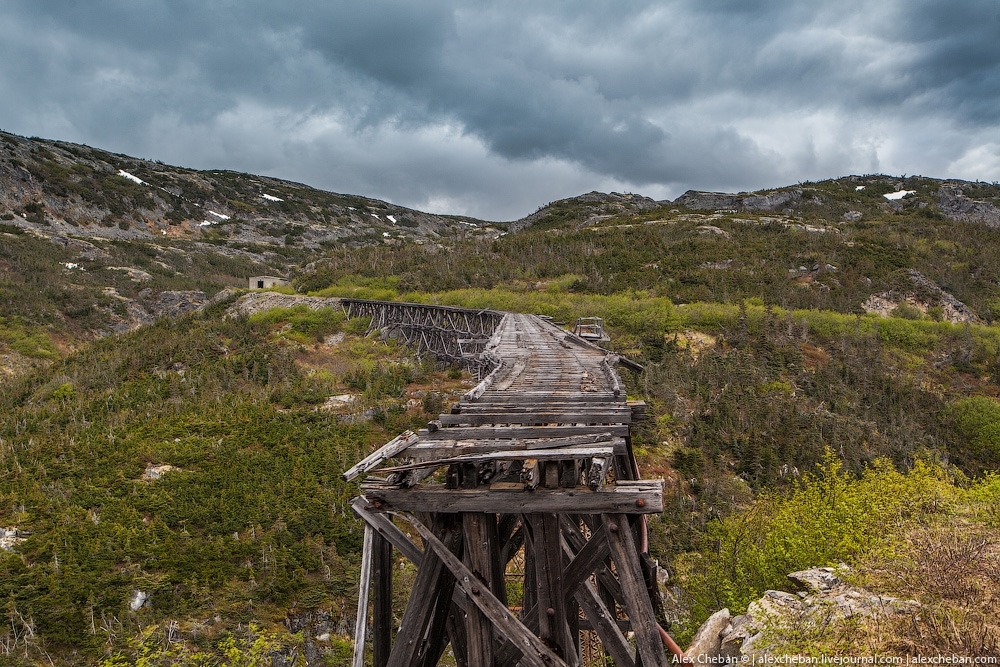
(494, 108)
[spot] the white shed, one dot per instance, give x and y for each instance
(266, 282)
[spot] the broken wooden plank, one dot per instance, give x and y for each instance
(387, 451)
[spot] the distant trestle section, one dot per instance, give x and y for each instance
(453, 335)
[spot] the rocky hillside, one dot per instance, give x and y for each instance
(87, 192)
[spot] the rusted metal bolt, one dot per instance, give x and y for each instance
(550, 611)
(640, 503)
(475, 590)
(613, 527)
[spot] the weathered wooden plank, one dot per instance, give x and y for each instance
(390, 449)
(637, 603)
(439, 449)
(519, 432)
(381, 599)
(646, 499)
(564, 395)
(547, 406)
(361, 624)
(540, 454)
(534, 652)
(538, 417)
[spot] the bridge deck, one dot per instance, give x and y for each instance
(552, 415)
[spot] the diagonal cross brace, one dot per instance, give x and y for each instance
(534, 652)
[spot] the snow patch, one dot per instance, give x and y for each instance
(892, 196)
(134, 179)
(207, 223)
(219, 215)
(70, 265)
(375, 216)
(272, 198)
(385, 234)
(859, 188)
(391, 219)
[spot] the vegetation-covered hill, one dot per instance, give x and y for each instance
(164, 484)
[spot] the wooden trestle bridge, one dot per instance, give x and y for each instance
(534, 465)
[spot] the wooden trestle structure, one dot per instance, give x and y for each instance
(533, 465)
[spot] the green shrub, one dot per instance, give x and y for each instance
(830, 517)
(978, 419)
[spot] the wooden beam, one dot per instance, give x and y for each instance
(477, 549)
(598, 450)
(586, 560)
(436, 449)
(605, 624)
(361, 623)
(534, 651)
(519, 432)
(632, 499)
(382, 598)
(637, 603)
(623, 416)
(387, 529)
(553, 627)
(422, 609)
(387, 451)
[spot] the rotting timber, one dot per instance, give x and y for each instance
(534, 464)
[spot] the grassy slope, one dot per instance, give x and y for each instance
(753, 376)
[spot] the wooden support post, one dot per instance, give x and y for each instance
(552, 622)
(361, 624)
(479, 559)
(530, 597)
(382, 602)
(637, 603)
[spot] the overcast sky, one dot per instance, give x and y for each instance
(492, 109)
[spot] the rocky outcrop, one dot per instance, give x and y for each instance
(588, 208)
(318, 628)
(826, 600)
(957, 206)
(255, 302)
(924, 295)
(716, 201)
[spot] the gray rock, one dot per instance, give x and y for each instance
(853, 216)
(957, 206)
(707, 641)
(817, 579)
(716, 201)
